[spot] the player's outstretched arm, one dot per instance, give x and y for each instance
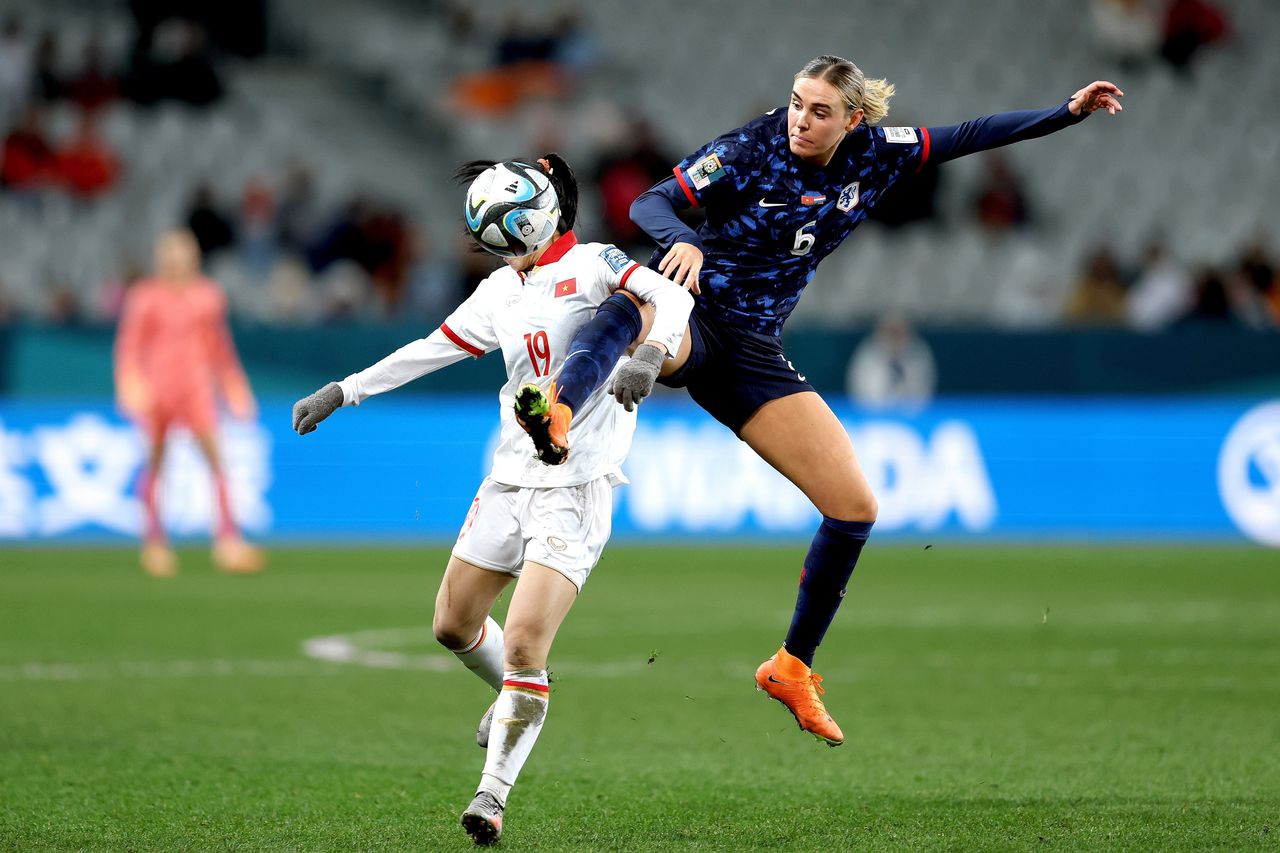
(313, 408)
(993, 131)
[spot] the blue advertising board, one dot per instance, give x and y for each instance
(406, 470)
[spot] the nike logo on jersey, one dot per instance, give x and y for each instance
(764, 203)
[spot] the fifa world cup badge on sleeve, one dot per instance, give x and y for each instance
(617, 259)
(706, 170)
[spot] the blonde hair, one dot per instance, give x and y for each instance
(859, 93)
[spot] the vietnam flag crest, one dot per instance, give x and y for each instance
(566, 288)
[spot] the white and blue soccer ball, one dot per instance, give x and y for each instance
(512, 209)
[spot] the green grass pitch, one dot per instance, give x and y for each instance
(1022, 698)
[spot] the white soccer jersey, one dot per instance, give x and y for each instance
(532, 317)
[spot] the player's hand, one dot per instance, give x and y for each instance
(634, 380)
(682, 264)
(312, 409)
(133, 396)
(240, 400)
(1098, 95)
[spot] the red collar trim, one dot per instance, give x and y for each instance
(558, 249)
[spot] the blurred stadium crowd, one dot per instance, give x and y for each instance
(308, 144)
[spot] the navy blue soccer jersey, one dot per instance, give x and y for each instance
(772, 217)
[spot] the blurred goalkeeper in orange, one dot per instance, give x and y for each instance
(174, 359)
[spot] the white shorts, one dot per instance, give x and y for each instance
(564, 528)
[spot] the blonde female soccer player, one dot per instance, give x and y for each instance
(539, 525)
(780, 194)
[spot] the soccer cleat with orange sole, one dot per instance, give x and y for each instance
(546, 420)
(786, 678)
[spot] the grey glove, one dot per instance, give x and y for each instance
(312, 409)
(634, 380)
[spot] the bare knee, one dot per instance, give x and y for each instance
(857, 505)
(523, 649)
(451, 633)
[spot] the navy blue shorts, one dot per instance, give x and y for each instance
(732, 372)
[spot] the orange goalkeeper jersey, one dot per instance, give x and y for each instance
(174, 353)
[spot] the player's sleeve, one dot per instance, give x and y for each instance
(654, 212)
(468, 331)
(130, 337)
(712, 175)
(993, 131)
(671, 303)
(226, 364)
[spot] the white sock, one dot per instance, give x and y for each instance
(517, 721)
(484, 655)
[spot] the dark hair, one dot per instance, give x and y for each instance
(560, 175)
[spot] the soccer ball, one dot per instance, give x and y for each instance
(512, 209)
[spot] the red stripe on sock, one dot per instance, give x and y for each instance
(528, 685)
(484, 629)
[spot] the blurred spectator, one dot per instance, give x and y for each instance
(385, 256)
(191, 77)
(1099, 295)
(1210, 302)
(475, 263)
(173, 62)
(87, 166)
(28, 159)
(94, 85)
(211, 227)
(15, 68)
(575, 49)
(434, 282)
(256, 234)
(911, 199)
(1128, 31)
(1260, 284)
(48, 76)
(298, 215)
(635, 163)
(1189, 25)
(341, 239)
(1000, 203)
(892, 368)
(521, 42)
(64, 305)
(1162, 293)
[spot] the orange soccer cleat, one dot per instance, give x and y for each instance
(546, 421)
(786, 678)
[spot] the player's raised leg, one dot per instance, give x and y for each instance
(547, 414)
(801, 437)
(542, 598)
